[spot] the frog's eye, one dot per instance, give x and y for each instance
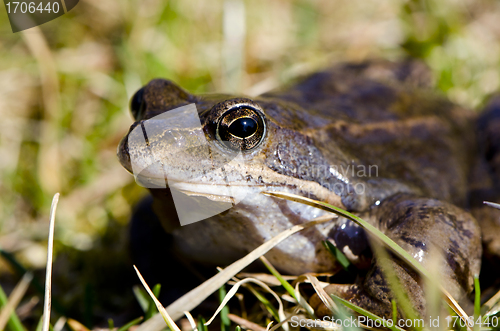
(241, 128)
(137, 104)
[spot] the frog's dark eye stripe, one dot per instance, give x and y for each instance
(241, 127)
(137, 104)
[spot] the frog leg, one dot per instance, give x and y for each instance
(417, 224)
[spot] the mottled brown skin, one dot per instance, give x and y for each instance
(430, 171)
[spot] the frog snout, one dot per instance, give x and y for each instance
(123, 154)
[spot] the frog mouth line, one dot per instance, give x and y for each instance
(217, 192)
(231, 193)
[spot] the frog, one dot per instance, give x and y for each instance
(373, 138)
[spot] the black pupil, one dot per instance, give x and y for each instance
(243, 127)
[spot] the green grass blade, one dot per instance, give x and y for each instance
(278, 276)
(201, 324)
(225, 321)
(343, 315)
(400, 293)
(477, 302)
(164, 314)
(384, 322)
(37, 285)
(14, 323)
(376, 234)
(130, 324)
(373, 231)
(339, 256)
(142, 298)
(394, 311)
(269, 306)
(151, 310)
(39, 326)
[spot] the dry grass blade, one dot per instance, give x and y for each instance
(325, 298)
(26, 309)
(14, 299)
(302, 302)
(488, 307)
(492, 204)
(76, 326)
(376, 234)
(455, 306)
(200, 293)
(266, 278)
(191, 320)
(170, 322)
(294, 313)
(235, 288)
(60, 324)
(48, 270)
(245, 323)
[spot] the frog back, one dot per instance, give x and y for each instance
(379, 124)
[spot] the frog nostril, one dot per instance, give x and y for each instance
(137, 104)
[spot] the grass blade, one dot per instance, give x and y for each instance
(170, 322)
(142, 298)
(14, 299)
(245, 323)
(191, 320)
(492, 204)
(377, 235)
(397, 289)
(327, 300)
(302, 302)
(477, 302)
(130, 324)
(194, 297)
(278, 276)
(201, 324)
(339, 256)
(270, 308)
(48, 271)
(235, 288)
(14, 323)
(151, 305)
(366, 313)
(225, 322)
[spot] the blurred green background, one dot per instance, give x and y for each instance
(65, 86)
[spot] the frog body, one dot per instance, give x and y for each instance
(371, 138)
